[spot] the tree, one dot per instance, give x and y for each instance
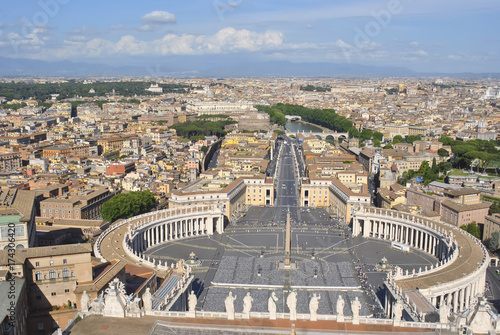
(424, 167)
(366, 134)
(412, 138)
(126, 205)
(204, 149)
(472, 228)
(434, 165)
(378, 136)
(376, 143)
(388, 146)
(443, 152)
(398, 139)
(446, 140)
(494, 241)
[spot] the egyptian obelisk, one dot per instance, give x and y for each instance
(288, 241)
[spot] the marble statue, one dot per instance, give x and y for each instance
(114, 300)
(397, 310)
(84, 302)
(97, 304)
(355, 306)
(229, 303)
(340, 309)
(271, 306)
(444, 312)
(192, 301)
(313, 306)
(291, 302)
(147, 300)
(247, 305)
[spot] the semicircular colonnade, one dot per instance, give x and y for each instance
(150, 229)
(458, 276)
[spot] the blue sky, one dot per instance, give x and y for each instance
(424, 35)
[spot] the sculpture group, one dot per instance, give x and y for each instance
(114, 302)
(291, 303)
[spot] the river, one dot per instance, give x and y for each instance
(302, 126)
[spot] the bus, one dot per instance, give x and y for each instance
(399, 246)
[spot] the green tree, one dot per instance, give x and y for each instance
(398, 139)
(378, 136)
(443, 152)
(204, 149)
(376, 143)
(472, 228)
(366, 134)
(126, 205)
(434, 165)
(412, 138)
(494, 241)
(424, 167)
(388, 146)
(446, 140)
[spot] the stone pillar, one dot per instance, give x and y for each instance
(455, 302)
(355, 226)
(366, 233)
(467, 296)
(410, 239)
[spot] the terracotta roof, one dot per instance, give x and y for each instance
(464, 208)
(22, 254)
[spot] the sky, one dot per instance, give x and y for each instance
(448, 36)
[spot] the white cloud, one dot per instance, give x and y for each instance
(415, 44)
(159, 17)
(227, 40)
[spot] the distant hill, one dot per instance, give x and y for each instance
(180, 67)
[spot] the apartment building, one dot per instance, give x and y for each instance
(67, 151)
(232, 197)
(120, 168)
(332, 194)
(109, 144)
(10, 161)
(17, 218)
(86, 205)
(457, 206)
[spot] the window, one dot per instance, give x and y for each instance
(65, 261)
(53, 294)
(65, 273)
(52, 274)
(38, 275)
(66, 290)
(51, 263)
(37, 264)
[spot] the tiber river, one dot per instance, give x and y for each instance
(302, 126)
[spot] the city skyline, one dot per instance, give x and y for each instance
(437, 37)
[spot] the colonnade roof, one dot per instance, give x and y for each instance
(469, 259)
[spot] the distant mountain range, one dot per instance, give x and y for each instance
(234, 68)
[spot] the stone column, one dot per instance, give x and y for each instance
(355, 227)
(455, 302)
(467, 296)
(366, 233)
